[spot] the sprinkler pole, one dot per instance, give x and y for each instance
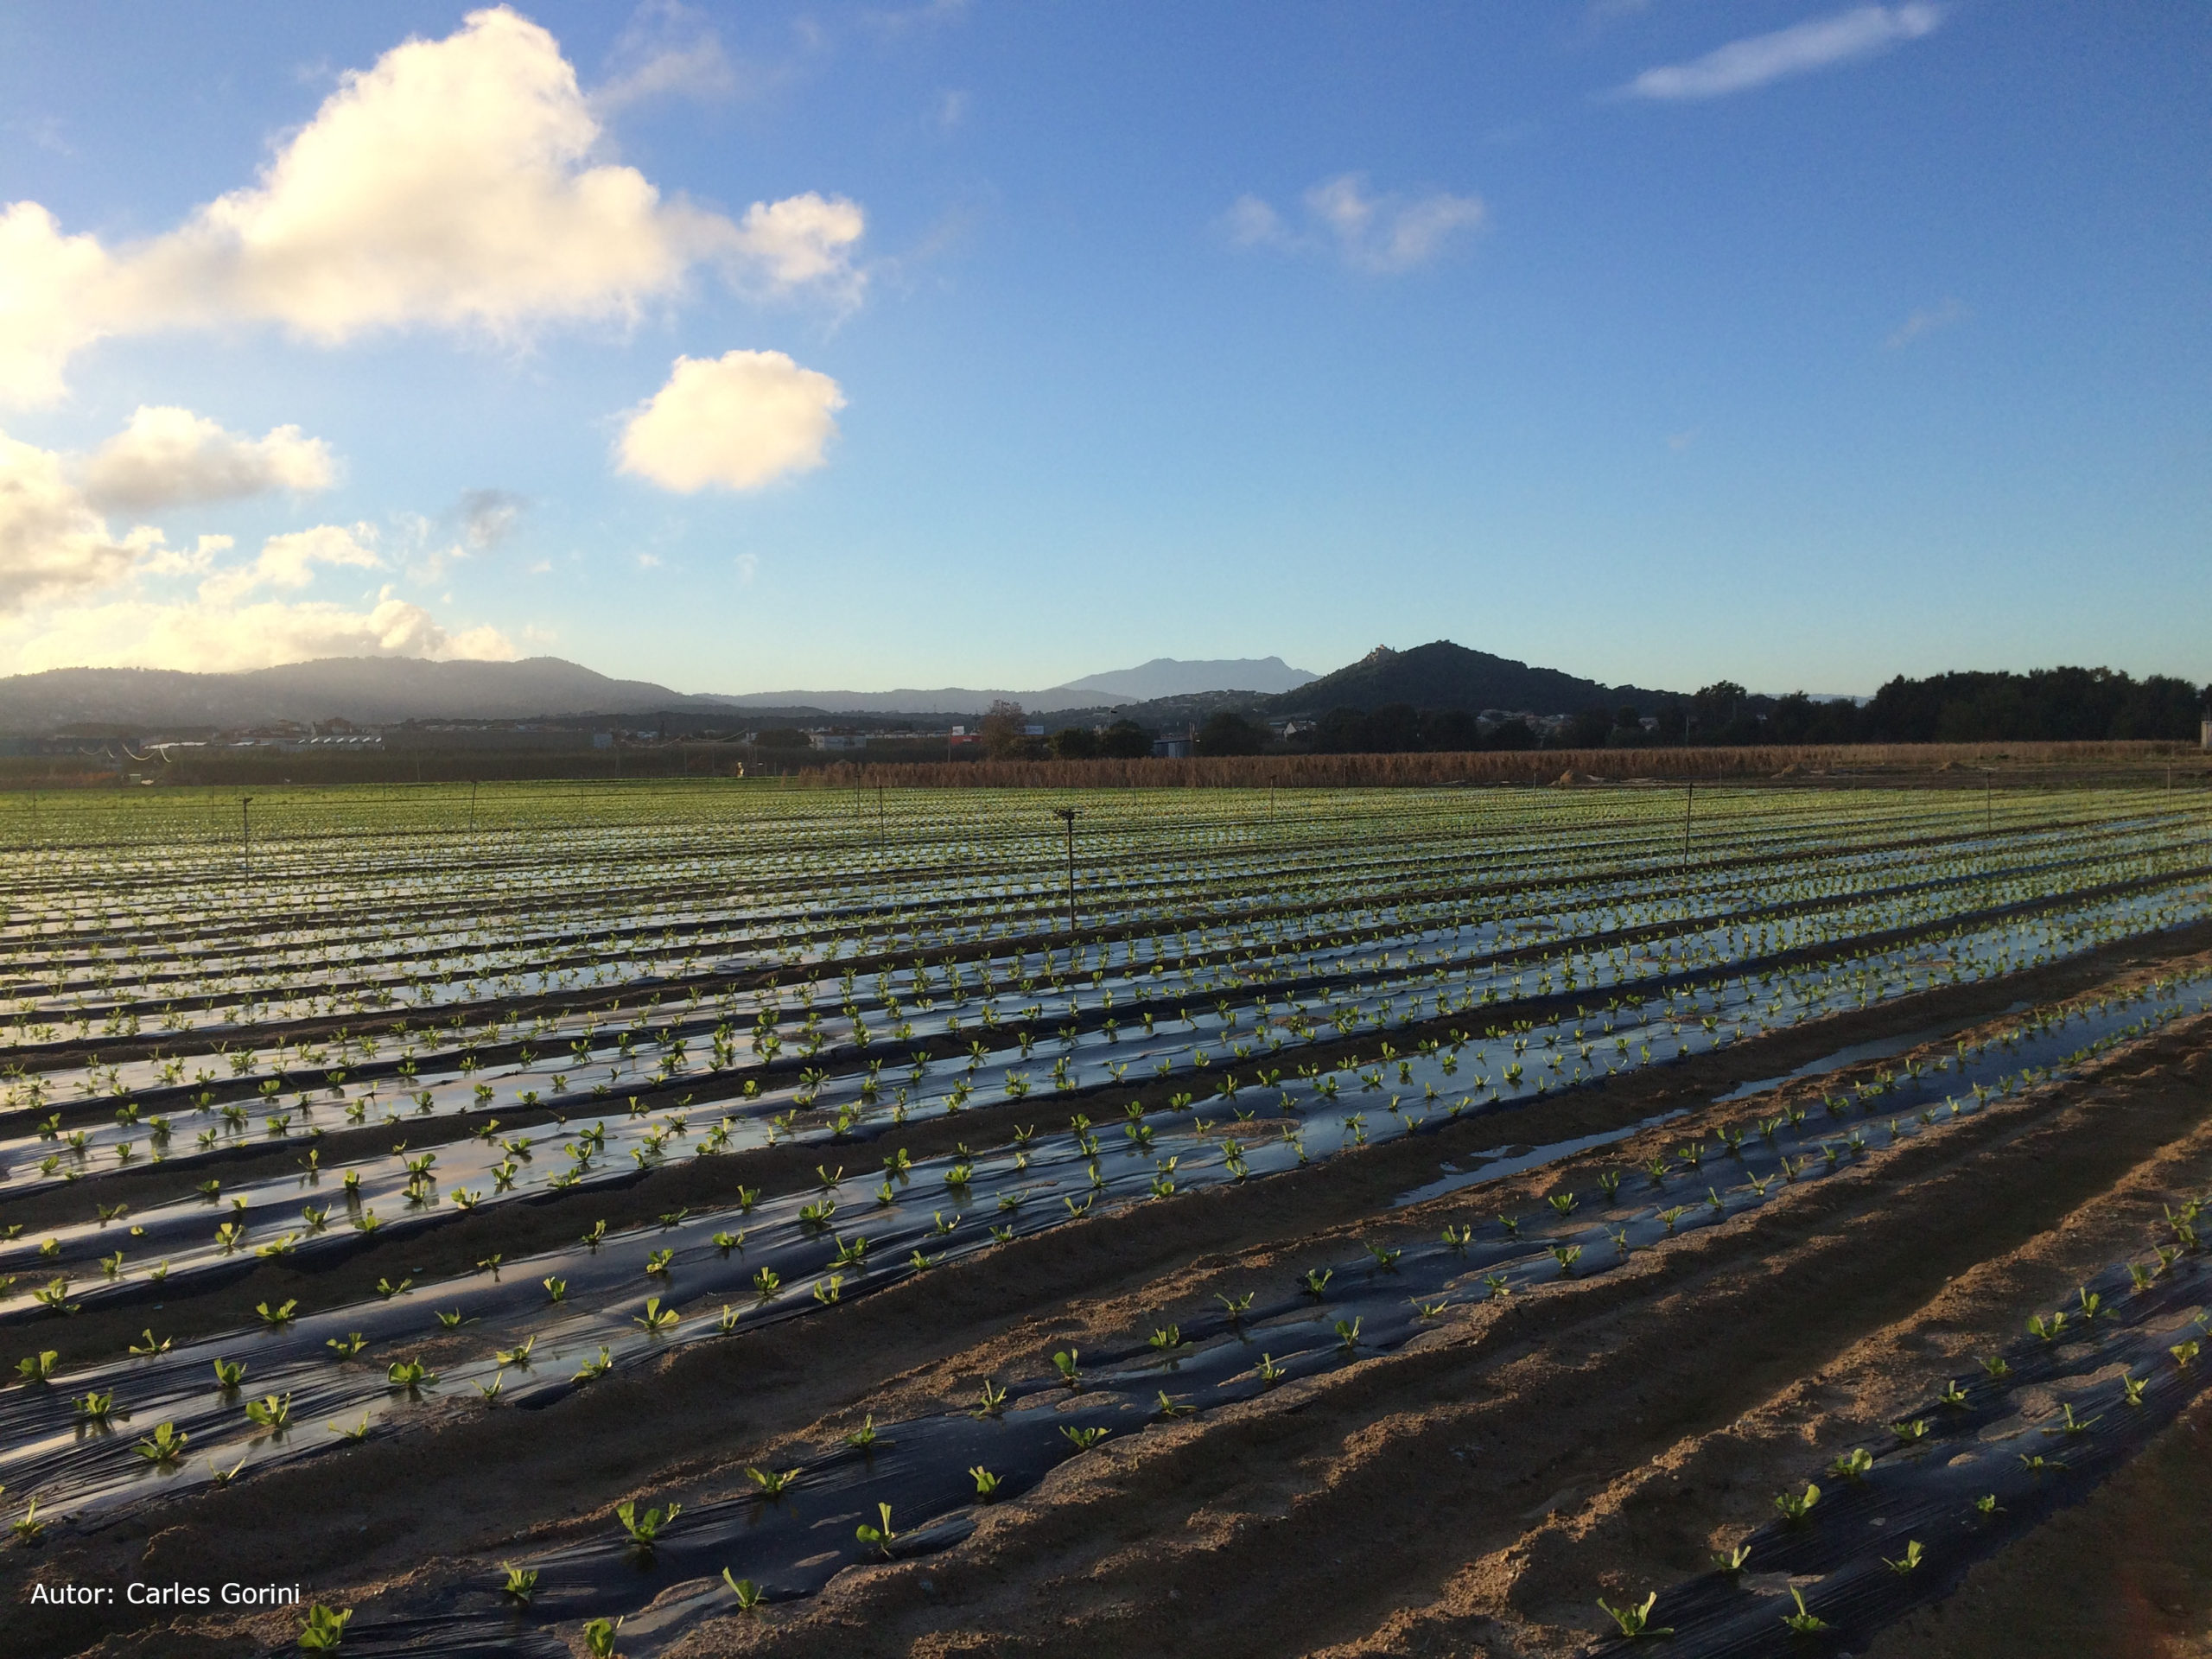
(1068, 815)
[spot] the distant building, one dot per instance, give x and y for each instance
(837, 740)
(1170, 749)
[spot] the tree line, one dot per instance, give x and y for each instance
(2044, 705)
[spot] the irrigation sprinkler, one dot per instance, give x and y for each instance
(1068, 815)
(1689, 795)
(245, 833)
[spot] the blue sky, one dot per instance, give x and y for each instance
(1798, 345)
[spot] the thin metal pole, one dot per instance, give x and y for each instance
(1067, 814)
(245, 832)
(472, 806)
(1689, 795)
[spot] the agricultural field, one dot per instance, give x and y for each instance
(701, 1216)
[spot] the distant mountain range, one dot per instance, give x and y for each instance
(1163, 676)
(1166, 676)
(371, 690)
(381, 690)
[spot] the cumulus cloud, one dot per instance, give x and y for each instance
(72, 592)
(210, 636)
(1383, 234)
(451, 184)
(736, 421)
(289, 561)
(52, 542)
(800, 240)
(46, 283)
(168, 456)
(1817, 43)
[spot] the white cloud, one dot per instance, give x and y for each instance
(450, 184)
(212, 636)
(1927, 319)
(1384, 234)
(290, 560)
(46, 280)
(701, 70)
(736, 422)
(1250, 223)
(70, 590)
(1817, 43)
(167, 456)
(669, 50)
(799, 240)
(52, 543)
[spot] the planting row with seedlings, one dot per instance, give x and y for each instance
(526, 1330)
(154, 1250)
(1989, 1456)
(151, 1109)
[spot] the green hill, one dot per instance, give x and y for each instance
(1445, 676)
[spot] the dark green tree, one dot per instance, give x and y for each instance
(1587, 730)
(1514, 734)
(1228, 733)
(1449, 731)
(1125, 740)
